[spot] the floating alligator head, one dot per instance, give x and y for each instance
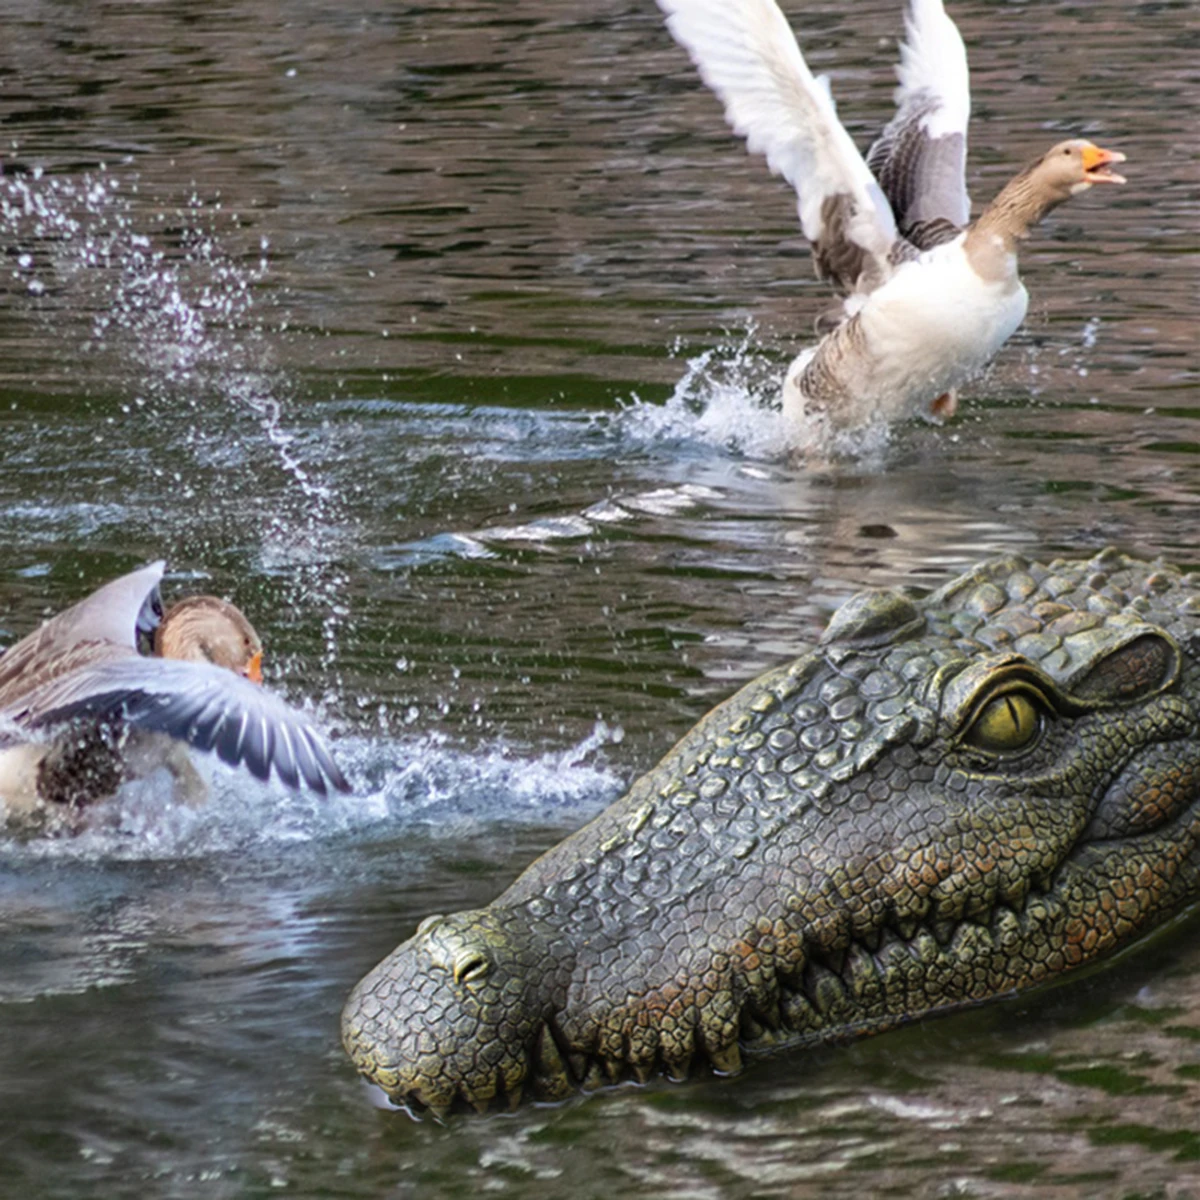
(947, 801)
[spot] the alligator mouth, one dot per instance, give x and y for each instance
(814, 1005)
(841, 993)
(553, 1073)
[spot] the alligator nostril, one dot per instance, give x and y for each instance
(470, 966)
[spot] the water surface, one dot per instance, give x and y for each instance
(442, 337)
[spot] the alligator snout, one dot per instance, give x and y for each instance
(452, 1016)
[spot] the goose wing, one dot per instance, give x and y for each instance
(920, 159)
(747, 54)
(104, 625)
(207, 706)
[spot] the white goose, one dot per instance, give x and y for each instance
(928, 299)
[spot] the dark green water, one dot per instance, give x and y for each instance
(438, 336)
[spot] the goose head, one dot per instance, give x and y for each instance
(209, 629)
(1072, 167)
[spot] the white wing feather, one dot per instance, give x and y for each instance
(747, 54)
(933, 61)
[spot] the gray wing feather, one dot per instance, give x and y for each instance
(922, 177)
(285, 759)
(920, 158)
(206, 706)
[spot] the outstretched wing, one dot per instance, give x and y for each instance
(105, 624)
(207, 706)
(920, 159)
(746, 52)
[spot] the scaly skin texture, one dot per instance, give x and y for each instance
(949, 800)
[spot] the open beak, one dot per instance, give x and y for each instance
(1096, 163)
(253, 670)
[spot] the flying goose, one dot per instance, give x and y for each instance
(72, 691)
(927, 297)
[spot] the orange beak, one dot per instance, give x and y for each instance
(253, 671)
(1096, 163)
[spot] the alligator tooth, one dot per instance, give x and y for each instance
(480, 1095)
(728, 1060)
(751, 1030)
(824, 990)
(440, 1109)
(514, 1098)
(643, 1072)
(511, 1080)
(678, 1071)
(593, 1078)
(550, 1065)
(798, 1013)
(863, 982)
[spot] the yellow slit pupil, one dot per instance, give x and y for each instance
(1007, 722)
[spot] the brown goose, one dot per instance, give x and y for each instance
(927, 299)
(72, 690)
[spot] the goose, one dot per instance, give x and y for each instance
(928, 297)
(81, 708)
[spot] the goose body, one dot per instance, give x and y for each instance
(927, 298)
(82, 708)
(931, 326)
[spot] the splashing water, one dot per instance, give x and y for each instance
(419, 782)
(175, 311)
(729, 397)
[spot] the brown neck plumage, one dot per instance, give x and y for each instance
(1021, 204)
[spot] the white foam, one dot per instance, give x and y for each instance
(727, 397)
(398, 782)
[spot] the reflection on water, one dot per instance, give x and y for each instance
(444, 339)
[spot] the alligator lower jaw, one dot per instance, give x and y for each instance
(538, 1090)
(553, 1075)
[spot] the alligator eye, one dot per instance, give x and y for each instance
(1006, 724)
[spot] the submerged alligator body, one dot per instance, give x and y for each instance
(948, 800)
